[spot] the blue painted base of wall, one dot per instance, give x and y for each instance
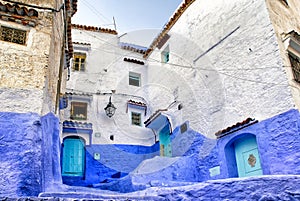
(115, 162)
(201, 159)
(30, 162)
(264, 188)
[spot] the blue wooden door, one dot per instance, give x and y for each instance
(73, 157)
(247, 157)
(165, 142)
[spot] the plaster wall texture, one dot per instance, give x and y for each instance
(30, 71)
(30, 156)
(277, 140)
(200, 159)
(271, 187)
(286, 18)
(21, 156)
(51, 152)
(227, 65)
(106, 72)
(115, 159)
(252, 188)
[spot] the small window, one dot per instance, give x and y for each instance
(136, 118)
(134, 79)
(13, 35)
(78, 111)
(295, 63)
(79, 61)
(165, 55)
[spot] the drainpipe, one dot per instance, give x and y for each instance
(62, 59)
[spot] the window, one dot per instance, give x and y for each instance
(295, 63)
(285, 2)
(13, 35)
(136, 118)
(134, 79)
(79, 61)
(165, 55)
(78, 111)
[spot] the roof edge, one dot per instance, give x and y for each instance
(168, 26)
(95, 29)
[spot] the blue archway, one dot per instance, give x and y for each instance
(242, 156)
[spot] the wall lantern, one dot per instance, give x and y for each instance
(110, 109)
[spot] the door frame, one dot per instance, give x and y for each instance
(83, 156)
(230, 157)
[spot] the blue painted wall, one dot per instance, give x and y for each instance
(51, 152)
(278, 144)
(115, 161)
(23, 148)
(30, 158)
(199, 159)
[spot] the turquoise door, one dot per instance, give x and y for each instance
(165, 142)
(247, 157)
(73, 157)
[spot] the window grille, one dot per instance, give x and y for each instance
(295, 63)
(78, 111)
(13, 35)
(136, 118)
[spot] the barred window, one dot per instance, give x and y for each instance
(136, 118)
(13, 35)
(295, 63)
(79, 61)
(78, 111)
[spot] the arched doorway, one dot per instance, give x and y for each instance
(165, 141)
(242, 156)
(247, 156)
(73, 157)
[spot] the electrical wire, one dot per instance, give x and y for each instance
(95, 11)
(223, 71)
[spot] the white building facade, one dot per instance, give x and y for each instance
(103, 69)
(209, 74)
(224, 64)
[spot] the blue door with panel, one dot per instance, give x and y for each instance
(73, 157)
(165, 142)
(247, 157)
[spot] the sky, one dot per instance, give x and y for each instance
(132, 17)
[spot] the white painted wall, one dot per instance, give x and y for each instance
(239, 75)
(106, 72)
(224, 67)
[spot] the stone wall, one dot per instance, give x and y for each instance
(286, 18)
(30, 71)
(56, 63)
